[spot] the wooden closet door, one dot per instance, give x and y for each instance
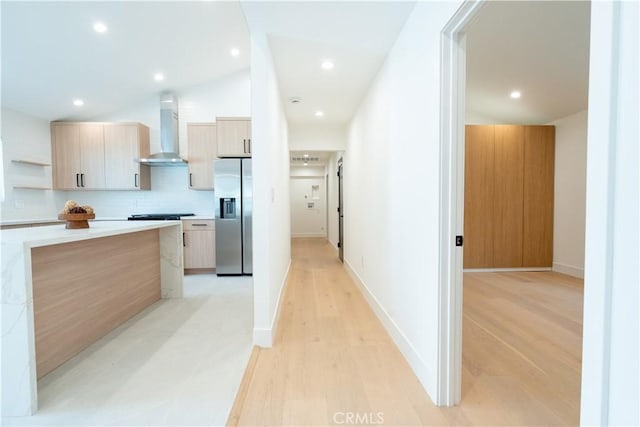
(508, 196)
(478, 197)
(539, 165)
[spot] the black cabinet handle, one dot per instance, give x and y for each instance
(249, 152)
(184, 240)
(135, 180)
(244, 146)
(199, 225)
(190, 180)
(81, 180)
(77, 180)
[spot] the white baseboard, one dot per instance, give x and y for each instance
(425, 375)
(569, 270)
(504, 270)
(303, 235)
(263, 337)
(335, 246)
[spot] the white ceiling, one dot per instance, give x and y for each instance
(538, 47)
(51, 54)
(356, 36)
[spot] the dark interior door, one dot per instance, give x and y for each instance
(340, 213)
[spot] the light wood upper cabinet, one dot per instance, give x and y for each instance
(92, 156)
(201, 138)
(99, 156)
(234, 136)
(78, 156)
(123, 144)
(199, 244)
(65, 156)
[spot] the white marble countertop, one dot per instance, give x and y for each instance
(55, 234)
(45, 220)
(101, 218)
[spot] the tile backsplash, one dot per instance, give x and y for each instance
(170, 194)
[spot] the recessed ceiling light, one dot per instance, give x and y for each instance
(158, 77)
(78, 102)
(516, 94)
(327, 64)
(99, 27)
(306, 164)
(234, 52)
(306, 155)
(319, 113)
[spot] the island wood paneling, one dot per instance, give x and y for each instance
(478, 196)
(539, 166)
(83, 290)
(508, 193)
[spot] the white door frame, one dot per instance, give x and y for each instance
(452, 121)
(606, 128)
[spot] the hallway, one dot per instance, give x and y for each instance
(332, 358)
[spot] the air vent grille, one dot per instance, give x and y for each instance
(305, 159)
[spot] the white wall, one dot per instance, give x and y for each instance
(569, 194)
(298, 171)
(480, 118)
(271, 232)
(391, 169)
(317, 138)
(26, 137)
(227, 96)
(610, 368)
(308, 207)
(332, 199)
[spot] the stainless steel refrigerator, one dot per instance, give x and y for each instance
(233, 210)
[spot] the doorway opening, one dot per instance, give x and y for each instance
(455, 111)
(340, 211)
(314, 195)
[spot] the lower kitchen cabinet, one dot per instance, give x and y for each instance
(199, 244)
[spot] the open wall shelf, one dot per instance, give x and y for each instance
(30, 187)
(30, 162)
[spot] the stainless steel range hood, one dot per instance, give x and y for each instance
(168, 155)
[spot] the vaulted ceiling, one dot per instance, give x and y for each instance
(51, 55)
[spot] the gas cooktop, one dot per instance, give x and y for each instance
(158, 217)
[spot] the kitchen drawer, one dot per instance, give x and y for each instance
(198, 224)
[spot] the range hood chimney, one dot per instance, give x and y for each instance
(168, 155)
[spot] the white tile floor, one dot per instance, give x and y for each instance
(180, 362)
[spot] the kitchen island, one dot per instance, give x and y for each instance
(64, 289)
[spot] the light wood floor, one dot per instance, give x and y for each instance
(521, 357)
